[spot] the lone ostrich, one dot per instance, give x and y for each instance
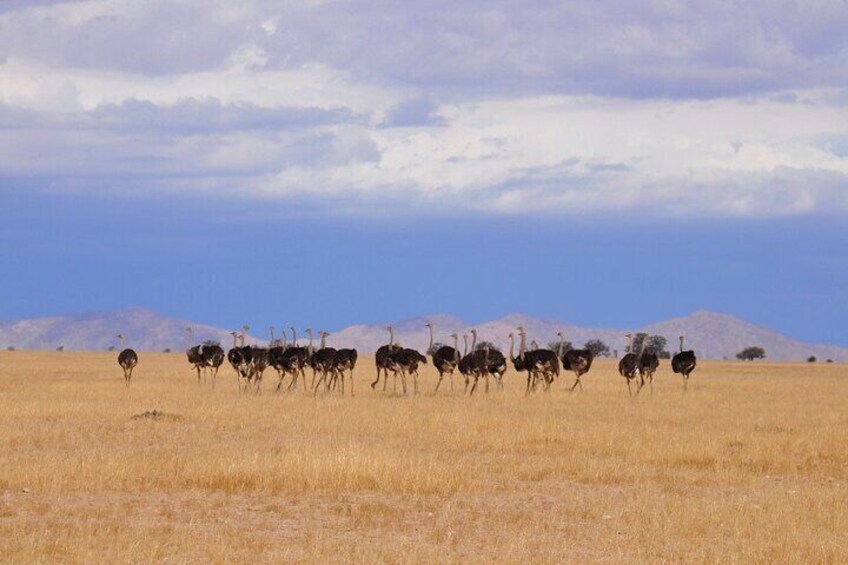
(381, 358)
(683, 363)
(577, 360)
(628, 366)
(127, 359)
(445, 358)
(193, 353)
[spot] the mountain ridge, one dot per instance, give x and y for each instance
(713, 335)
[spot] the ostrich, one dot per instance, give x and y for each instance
(322, 361)
(127, 359)
(476, 365)
(212, 355)
(471, 365)
(495, 366)
(445, 359)
(233, 354)
(519, 363)
(298, 357)
(648, 364)
(484, 366)
(345, 361)
(381, 358)
(403, 361)
(577, 360)
(542, 363)
(684, 362)
(279, 361)
(628, 366)
(260, 363)
(242, 360)
(193, 353)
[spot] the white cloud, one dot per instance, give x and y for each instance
(488, 108)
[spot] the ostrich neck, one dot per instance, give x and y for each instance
(681, 344)
(465, 350)
(522, 345)
(511, 347)
(456, 347)
(294, 336)
(431, 338)
(391, 336)
(561, 344)
(272, 335)
(323, 341)
(473, 340)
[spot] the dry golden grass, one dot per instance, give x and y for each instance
(750, 466)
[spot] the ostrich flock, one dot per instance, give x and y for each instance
(330, 366)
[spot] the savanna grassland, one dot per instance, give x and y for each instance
(751, 465)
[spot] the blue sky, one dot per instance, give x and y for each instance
(332, 163)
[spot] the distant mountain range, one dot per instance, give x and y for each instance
(711, 335)
(145, 330)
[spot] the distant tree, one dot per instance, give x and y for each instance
(566, 346)
(829, 361)
(110, 348)
(653, 343)
(436, 346)
(597, 347)
(10, 348)
(60, 348)
(480, 345)
(811, 359)
(166, 350)
(751, 353)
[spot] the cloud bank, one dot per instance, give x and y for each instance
(666, 109)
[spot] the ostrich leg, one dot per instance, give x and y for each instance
(441, 376)
(576, 382)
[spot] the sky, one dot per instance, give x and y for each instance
(331, 162)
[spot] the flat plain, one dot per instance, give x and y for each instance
(751, 465)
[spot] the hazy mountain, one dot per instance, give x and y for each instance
(721, 335)
(710, 334)
(410, 333)
(145, 330)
